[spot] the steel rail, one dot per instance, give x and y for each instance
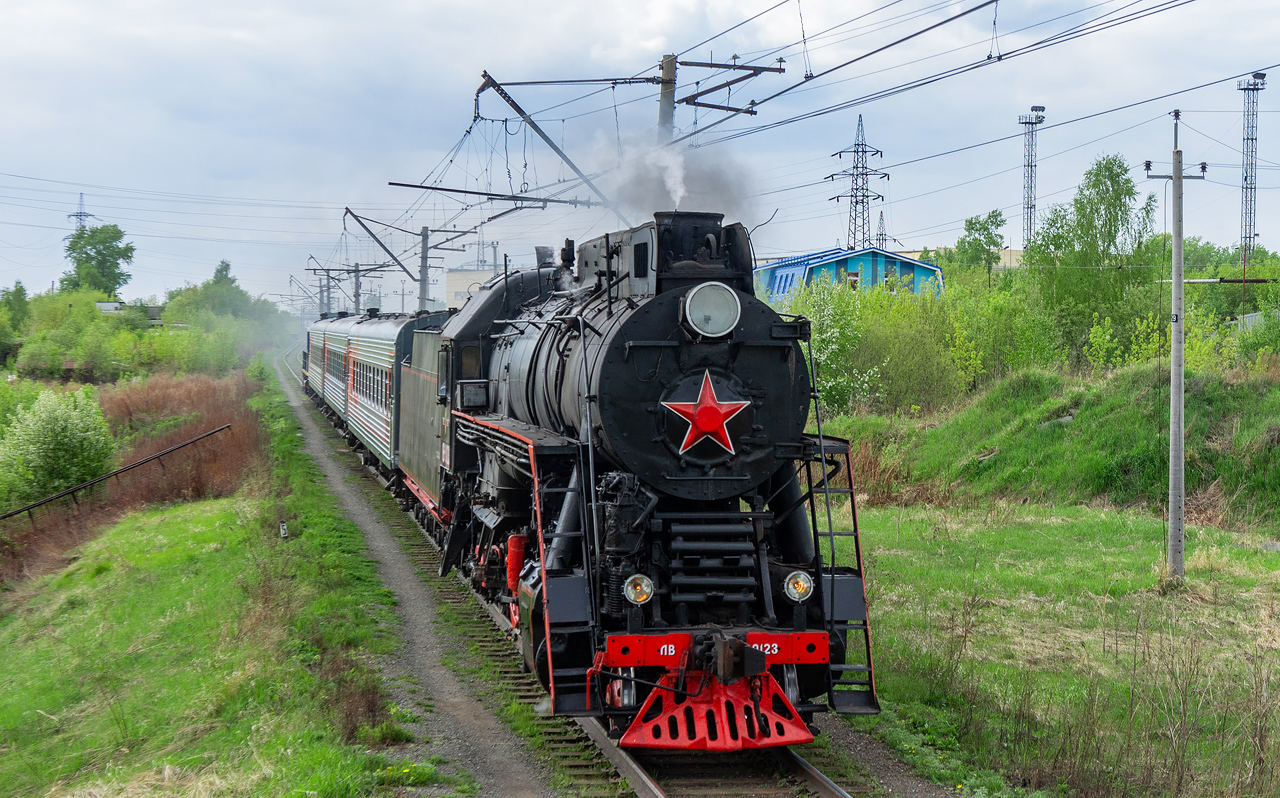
(283, 357)
(638, 779)
(817, 780)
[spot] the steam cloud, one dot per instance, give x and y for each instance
(654, 178)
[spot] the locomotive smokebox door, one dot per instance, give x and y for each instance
(694, 415)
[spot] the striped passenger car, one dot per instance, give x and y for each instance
(376, 348)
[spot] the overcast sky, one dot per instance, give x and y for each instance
(240, 130)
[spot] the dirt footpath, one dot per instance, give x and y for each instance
(459, 727)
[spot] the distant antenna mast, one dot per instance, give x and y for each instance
(882, 238)
(81, 214)
(1029, 124)
(1249, 175)
(860, 193)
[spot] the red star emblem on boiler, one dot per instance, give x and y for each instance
(707, 417)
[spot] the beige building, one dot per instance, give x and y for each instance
(461, 283)
(1009, 258)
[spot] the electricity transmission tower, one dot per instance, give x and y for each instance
(81, 214)
(860, 193)
(882, 238)
(1029, 124)
(1249, 175)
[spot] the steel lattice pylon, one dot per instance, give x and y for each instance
(1029, 124)
(882, 237)
(1249, 168)
(860, 193)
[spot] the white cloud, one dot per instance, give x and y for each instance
(320, 104)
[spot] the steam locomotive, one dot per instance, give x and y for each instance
(612, 450)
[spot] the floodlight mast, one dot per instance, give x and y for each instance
(1029, 123)
(1249, 176)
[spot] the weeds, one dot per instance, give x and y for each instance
(189, 650)
(138, 414)
(1057, 656)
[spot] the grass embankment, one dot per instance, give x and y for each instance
(145, 418)
(1053, 439)
(189, 650)
(1043, 646)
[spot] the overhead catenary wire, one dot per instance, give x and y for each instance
(1060, 38)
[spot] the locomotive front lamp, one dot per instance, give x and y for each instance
(798, 587)
(712, 309)
(638, 589)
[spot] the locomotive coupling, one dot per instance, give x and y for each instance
(728, 659)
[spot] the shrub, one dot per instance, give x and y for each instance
(1103, 350)
(835, 313)
(1210, 342)
(59, 441)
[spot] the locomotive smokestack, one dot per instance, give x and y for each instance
(564, 275)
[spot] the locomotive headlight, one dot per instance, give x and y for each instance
(712, 309)
(638, 589)
(798, 587)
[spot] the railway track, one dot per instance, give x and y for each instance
(586, 761)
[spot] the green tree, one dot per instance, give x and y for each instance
(1084, 251)
(60, 441)
(16, 302)
(981, 243)
(97, 256)
(220, 296)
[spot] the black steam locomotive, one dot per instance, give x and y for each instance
(612, 449)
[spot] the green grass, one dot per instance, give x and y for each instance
(1011, 441)
(1044, 644)
(189, 646)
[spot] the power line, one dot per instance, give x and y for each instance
(1070, 34)
(1083, 118)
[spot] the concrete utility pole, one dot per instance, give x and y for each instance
(358, 270)
(423, 261)
(326, 277)
(1177, 454)
(667, 98)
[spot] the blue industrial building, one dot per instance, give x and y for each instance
(860, 268)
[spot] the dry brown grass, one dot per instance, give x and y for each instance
(168, 781)
(216, 466)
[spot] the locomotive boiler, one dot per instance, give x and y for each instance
(612, 447)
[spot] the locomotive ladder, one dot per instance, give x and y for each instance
(852, 688)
